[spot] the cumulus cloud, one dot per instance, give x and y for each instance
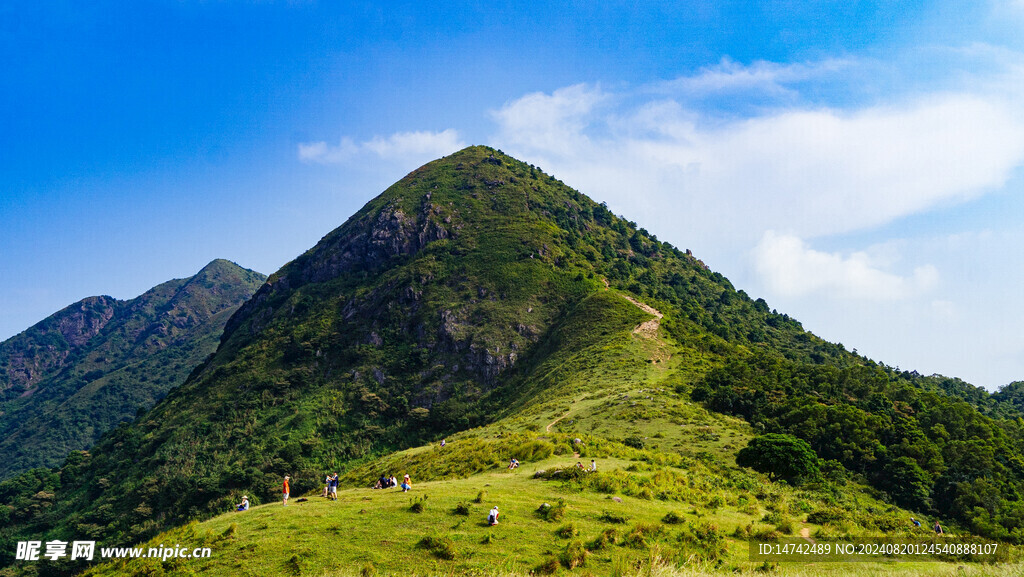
(399, 146)
(729, 76)
(555, 121)
(790, 268)
(816, 171)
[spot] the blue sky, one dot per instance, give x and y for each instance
(857, 164)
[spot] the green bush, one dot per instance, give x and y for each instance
(642, 535)
(461, 509)
(672, 518)
(833, 515)
(550, 512)
(574, 555)
(440, 547)
(781, 456)
(703, 542)
(547, 566)
(607, 537)
(417, 505)
(567, 531)
(609, 517)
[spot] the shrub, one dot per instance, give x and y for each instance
(552, 512)
(574, 555)
(609, 517)
(440, 547)
(480, 497)
(461, 509)
(780, 456)
(671, 518)
(833, 515)
(567, 531)
(417, 504)
(635, 442)
(547, 566)
(607, 537)
(642, 534)
(703, 541)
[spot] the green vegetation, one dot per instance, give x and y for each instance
(481, 302)
(781, 456)
(99, 362)
(925, 450)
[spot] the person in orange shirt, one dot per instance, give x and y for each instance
(284, 489)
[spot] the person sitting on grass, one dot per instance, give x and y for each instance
(392, 482)
(513, 464)
(406, 483)
(244, 505)
(593, 465)
(492, 519)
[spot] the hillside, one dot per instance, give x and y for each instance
(666, 498)
(83, 370)
(482, 300)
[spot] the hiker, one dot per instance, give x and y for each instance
(915, 522)
(327, 486)
(332, 484)
(513, 464)
(492, 519)
(381, 482)
(406, 483)
(443, 442)
(938, 528)
(579, 465)
(244, 505)
(285, 489)
(593, 466)
(392, 482)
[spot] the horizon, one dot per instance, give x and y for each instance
(858, 167)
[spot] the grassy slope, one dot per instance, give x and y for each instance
(607, 385)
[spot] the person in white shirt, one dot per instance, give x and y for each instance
(493, 517)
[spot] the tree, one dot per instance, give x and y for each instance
(780, 456)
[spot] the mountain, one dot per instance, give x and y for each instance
(480, 297)
(83, 370)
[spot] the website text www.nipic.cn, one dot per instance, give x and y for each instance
(86, 551)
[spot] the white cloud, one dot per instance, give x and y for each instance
(541, 121)
(401, 146)
(814, 172)
(767, 77)
(792, 269)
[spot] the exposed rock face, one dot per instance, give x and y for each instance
(46, 347)
(76, 374)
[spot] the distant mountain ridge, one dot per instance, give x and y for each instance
(81, 371)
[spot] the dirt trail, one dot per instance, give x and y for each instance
(647, 329)
(552, 423)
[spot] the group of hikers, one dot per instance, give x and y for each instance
(389, 481)
(937, 528)
(331, 487)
